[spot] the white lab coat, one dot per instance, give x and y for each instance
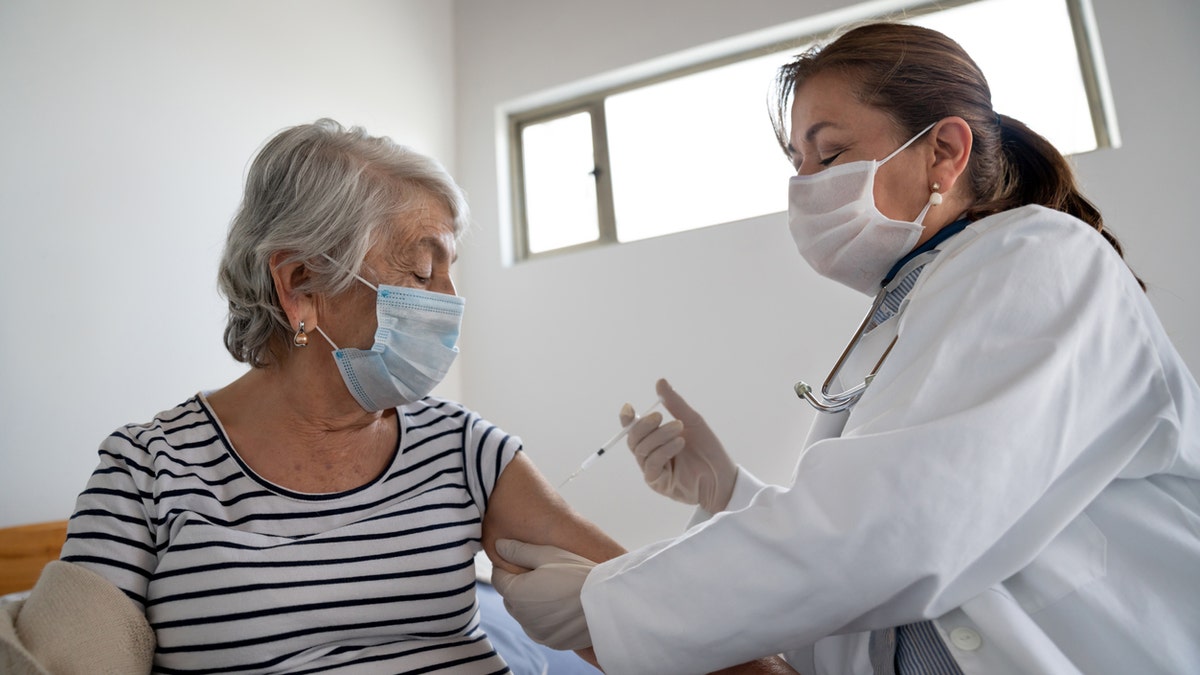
(1025, 469)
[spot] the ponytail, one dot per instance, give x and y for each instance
(919, 76)
(1033, 171)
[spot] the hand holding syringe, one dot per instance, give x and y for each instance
(611, 442)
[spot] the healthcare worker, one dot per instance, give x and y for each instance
(1015, 490)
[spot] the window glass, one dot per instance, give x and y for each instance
(560, 188)
(691, 146)
(695, 151)
(1035, 79)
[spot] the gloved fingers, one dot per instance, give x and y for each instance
(519, 553)
(642, 428)
(532, 556)
(565, 634)
(678, 407)
(659, 461)
(559, 625)
(568, 632)
(657, 438)
(544, 589)
(503, 582)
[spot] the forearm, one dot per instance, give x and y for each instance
(769, 666)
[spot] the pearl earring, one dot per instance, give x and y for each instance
(300, 339)
(935, 197)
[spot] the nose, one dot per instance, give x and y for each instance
(443, 284)
(808, 167)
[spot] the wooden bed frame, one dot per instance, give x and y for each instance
(25, 550)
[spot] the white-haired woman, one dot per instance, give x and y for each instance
(322, 512)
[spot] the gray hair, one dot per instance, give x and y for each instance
(314, 190)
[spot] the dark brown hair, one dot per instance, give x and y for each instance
(918, 76)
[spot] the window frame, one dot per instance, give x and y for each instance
(590, 95)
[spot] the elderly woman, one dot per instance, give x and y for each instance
(322, 512)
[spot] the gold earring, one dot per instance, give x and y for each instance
(300, 339)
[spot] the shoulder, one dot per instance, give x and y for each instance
(435, 415)
(436, 428)
(1018, 274)
(1030, 246)
(1032, 230)
(183, 423)
(177, 442)
(441, 412)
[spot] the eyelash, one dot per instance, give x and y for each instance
(829, 160)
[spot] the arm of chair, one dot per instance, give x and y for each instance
(74, 621)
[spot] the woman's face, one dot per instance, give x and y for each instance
(830, 127)
(417, 253)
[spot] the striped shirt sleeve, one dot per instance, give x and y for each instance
(112, 531)
(487, 450)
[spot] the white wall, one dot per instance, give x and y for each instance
(553, 347)
(125, 129)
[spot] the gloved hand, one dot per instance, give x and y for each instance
(682, 459)
(545, 600)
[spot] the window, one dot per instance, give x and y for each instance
(685, 142)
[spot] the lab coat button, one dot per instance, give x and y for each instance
(965, 639)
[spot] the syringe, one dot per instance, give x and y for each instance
(607, 446)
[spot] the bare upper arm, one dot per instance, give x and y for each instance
(524, 506)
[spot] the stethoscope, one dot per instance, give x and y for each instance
(828, 402)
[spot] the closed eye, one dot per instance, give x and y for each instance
(829, 160)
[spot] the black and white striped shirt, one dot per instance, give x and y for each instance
(237, 575)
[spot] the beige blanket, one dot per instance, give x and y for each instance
(74, 621)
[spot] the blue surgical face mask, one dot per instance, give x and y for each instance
(414, 347)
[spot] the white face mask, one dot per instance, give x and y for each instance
(839, 230)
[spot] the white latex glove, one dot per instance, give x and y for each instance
(545, 600)
(681, 459)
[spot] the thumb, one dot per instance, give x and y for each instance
(502, 580)
(518, 553)
(533, 556)
(675, 404)
(627, 415)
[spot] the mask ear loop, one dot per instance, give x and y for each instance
(369, 285)
(901, 148)
(318, 329)
(935, 198)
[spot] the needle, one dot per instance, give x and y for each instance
(607, 446)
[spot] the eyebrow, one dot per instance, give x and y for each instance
(808, 137)
(814, 129)
(435, 244)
